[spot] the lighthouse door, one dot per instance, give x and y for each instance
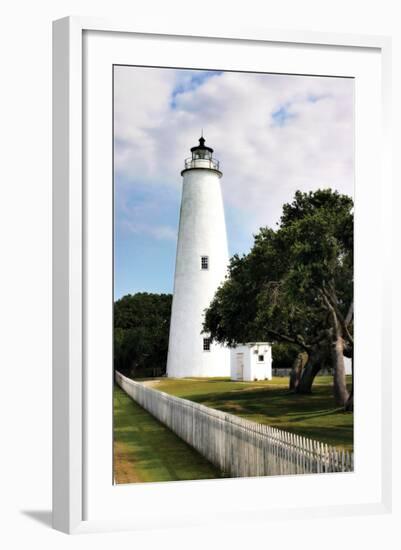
(240, 366)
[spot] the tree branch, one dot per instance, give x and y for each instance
(350, 314)
(331, 301)
(289, 339)
(332, 310)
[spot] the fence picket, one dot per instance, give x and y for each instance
(239, 447)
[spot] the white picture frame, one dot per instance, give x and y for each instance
(70, 260)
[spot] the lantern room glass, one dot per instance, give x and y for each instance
(201, 153)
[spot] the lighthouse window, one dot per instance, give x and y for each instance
(261, 358)
(205, 262)
(206, 344)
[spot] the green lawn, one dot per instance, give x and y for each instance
(269, 402)
(145, 450)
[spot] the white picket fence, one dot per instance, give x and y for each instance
(239, 447)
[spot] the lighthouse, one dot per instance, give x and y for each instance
(201, 266)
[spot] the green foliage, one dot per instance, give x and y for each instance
(284, 355)
(274, 292)
(141, 330)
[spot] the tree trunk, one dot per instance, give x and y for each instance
(312, 367)
(341, 394)
(349, 405)
(297, 369)
(338, 346)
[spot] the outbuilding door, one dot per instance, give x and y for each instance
(240, 366)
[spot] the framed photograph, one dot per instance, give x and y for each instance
(219, 324)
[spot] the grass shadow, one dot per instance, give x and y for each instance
(315, 415)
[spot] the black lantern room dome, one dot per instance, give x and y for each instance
(201, 148)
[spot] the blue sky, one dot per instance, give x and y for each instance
(273, 134)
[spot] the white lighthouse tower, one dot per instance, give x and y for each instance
(201, 265)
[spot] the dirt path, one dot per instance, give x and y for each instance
(124, 465)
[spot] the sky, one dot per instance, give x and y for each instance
(273, 135)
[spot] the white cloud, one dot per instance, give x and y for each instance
(159, 232)
(145, 214)
(308, 143)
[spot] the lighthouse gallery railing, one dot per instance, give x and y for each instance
(211, 163)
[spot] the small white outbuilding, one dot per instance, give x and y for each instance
(348, 365)
(251, 361)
